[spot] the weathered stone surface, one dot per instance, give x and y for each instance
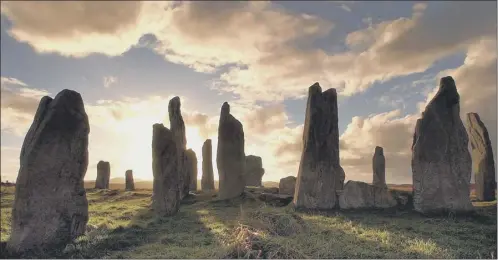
(50, 207)
(360, 195)
(320, 173)
(254, 171)
(192, 169)
(207, 180)
(230, 157)
(129, 183)
(379, 167)
(287, 185)
(177, 126)
(441, 161)
(482, 158)
(103, 175)
(165, 194)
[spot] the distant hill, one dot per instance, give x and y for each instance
(119, 183)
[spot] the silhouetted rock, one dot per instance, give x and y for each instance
(482, 158)
(50, 207)
(379, 167)
(177, 126)
(254, 171)
(360, 195)
(130, 184)
(287, 185)
(165, 194)
(320, 173)
(441, 161)
(103, 175)
(192, 169)
(207, 180)
(230, 157)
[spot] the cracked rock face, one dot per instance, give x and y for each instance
(360, 195)
(50, 207)
(177, 126)
(320, 174)
(207, 180)
(441, 162)
(482, 158)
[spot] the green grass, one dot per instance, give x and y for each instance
(122, 225)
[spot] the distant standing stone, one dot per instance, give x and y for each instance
(50, 207)
(287, 185)
(207, 180)
(177, 126)
(230, 158)
(379, 167)
(254, 171)
(165, 194)
(130, 184)
(360, 195)
(482, 158)
(320, 175)
(103, 175)
(441, 161)
(192, 165)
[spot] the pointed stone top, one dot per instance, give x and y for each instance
(68, 99)
(174, 104)
(225, 108)
(315, 88)
(473, 116)
(379, 150)
(447, 84)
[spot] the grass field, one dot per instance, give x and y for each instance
(121, 225)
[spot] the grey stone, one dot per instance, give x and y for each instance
(360, 195)
(482, 158)
(177, 126)
(207, 180)
(129, 183)
(379, 167)
(192, 169)
(320, 174)
(165, 193)
(50, 207)
(230, 157)
(103, 175)
(254, 171)
(287, 185)
(441, 161)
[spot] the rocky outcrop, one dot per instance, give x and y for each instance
(207, 180)
(482, 158)
(50, 207)
(320, 175)
(254, 171)
(379, 167)
(287, 185)
(192, 169)
(165, 194)
(177, 126)
(441, 162)
(360, 195)
(129, 183)
(103, 175)
(230, 157)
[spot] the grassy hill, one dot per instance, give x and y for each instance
(122, 225)
(119, 183)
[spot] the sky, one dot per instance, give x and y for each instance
(128, 59)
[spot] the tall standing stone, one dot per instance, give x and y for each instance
(129, 183)
(50, 207)
(379, 167)
(320, 174)
(166, 193)
(177, 126)
(441, 161)
(482, 158)
(230, 157)
(192, 165)
(103, 175)
(207, 180)
(254, 171)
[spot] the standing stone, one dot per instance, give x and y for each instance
(360, 195)
(379, 167)
(192, 164)
(441, 161)
(165, 193)
(230, 157)
(207, 180)
(103, 175)
(130, 184)
(50, 207)
(287, 185)
(177, 126)
(482, 158)
(320, 175)
(254, 171)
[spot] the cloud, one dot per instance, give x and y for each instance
(345, 8)
(109, 80)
